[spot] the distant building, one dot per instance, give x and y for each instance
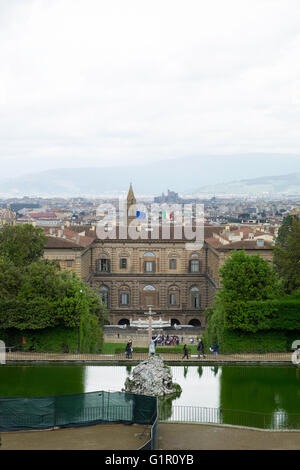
(170, 197)
(254, 240)
(7, 217)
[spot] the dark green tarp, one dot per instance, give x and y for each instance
(76, 410)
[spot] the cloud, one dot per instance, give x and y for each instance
(84, 82)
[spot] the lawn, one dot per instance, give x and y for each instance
(117, 348)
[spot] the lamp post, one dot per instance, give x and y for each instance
(150, 313)
(79, 323)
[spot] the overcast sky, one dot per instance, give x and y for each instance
(101, 82)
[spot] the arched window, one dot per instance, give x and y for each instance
(194, 266)
(104, 295)
(149, 264)
(149, 296)
(195, 297)
(195, 322)
(173, 293)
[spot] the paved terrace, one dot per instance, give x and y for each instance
(268, 358)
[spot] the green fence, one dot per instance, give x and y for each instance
(76, 410)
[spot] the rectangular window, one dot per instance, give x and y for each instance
(149, 300)
(103, 265)
(172, 264)
(196, 301)
(149, 266)
(69, 263)
(194, 266)
(123, 263)
(124, 299)
(172, 299)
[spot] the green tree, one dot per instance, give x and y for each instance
(285, 229)
(247, 277)
(10, 278)
(36, 295)
(22, 244)
(287, 254)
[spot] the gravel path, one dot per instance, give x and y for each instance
(203, 437)
(107, 437)
(170, 437)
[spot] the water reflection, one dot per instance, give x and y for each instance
(165, 406)
(108, 378)
(272, 391)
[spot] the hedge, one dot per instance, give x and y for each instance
(262, 326)
(253, 316)
(38, 313)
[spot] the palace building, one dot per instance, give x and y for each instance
(132, 274)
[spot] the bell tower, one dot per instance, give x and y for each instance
(131, 200)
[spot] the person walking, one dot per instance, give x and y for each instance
(128, 350)
(200, 349)
(185, 352)
(216, 348)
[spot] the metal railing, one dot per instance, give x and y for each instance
(152, 443)
(167, 355)
(279, 420)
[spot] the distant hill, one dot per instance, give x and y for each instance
(208, 174)
(271, 185)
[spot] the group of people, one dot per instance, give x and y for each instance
(175, 340)
(163, 340)
(200, 350)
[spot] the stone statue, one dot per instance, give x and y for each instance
(151, 347)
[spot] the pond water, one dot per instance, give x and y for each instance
(263, 389)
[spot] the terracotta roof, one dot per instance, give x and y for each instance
(42, 215)
(239, 245)
(56, 242)
(83, 228)
(208, 231)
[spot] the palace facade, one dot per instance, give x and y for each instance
(131, 274)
